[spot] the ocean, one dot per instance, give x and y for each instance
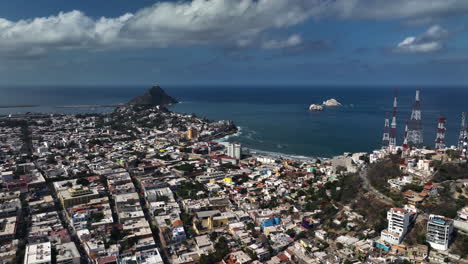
(275, 119)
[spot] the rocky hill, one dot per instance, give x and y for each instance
(154, 96)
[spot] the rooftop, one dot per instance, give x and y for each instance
(38, 253)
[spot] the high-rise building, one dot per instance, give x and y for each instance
(234, 150)
(192, 133)
(399, 220)
(439, 231)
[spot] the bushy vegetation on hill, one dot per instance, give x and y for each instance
(373, 210)
(380, 172)
(460, 245)
(451, 171)
(445, 204)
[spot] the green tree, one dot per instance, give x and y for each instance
(291, 233)
(83, 181)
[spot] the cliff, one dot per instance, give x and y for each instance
(154, 96)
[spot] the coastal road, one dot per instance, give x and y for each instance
(370, 188)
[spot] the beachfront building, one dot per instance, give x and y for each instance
(439, 232)
(234, 150)
(399, 220)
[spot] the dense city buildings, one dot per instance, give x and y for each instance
(145, 185)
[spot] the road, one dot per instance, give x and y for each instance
(61, 213)
(162, 250)
(370, 188)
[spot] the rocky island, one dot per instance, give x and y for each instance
(315, 107)
(328, 103)
(154, 96)
(331, 102)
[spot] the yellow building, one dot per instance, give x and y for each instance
(206, 221)
(77, 195)
(192, 133)
(227, 180)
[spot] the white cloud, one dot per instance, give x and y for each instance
(430, 41)
(161, 25)
(199, 22)
(399, 9)
(292, 41)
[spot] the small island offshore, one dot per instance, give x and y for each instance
(146, 185)
(328, 103)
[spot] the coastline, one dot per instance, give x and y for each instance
(222, 137)
(19, 106)
(280, 155)
(224, 140)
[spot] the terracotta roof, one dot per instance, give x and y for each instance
(107, 259)
(428, 187)
(177, 222)
(283, 257)
(424, 193)
(399, 209)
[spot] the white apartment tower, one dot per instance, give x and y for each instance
(439, 231)
(234, 150)
(399, 220)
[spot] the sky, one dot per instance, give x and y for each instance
(267, 42)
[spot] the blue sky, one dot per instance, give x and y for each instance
(311, 42)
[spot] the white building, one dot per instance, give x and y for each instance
(399, 183)
(234, 150)
(399, 220)
(461, 223)
(439, 231)
(38, 254)
(67, 253)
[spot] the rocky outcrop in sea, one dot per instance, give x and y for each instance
(328, 103)
(154, 96)
(315, 107)
(331, 102)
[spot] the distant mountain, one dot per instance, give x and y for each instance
(154, 96)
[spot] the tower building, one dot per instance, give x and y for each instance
(234, 150)
(399, 220)
(192, 133)
(439, 231)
